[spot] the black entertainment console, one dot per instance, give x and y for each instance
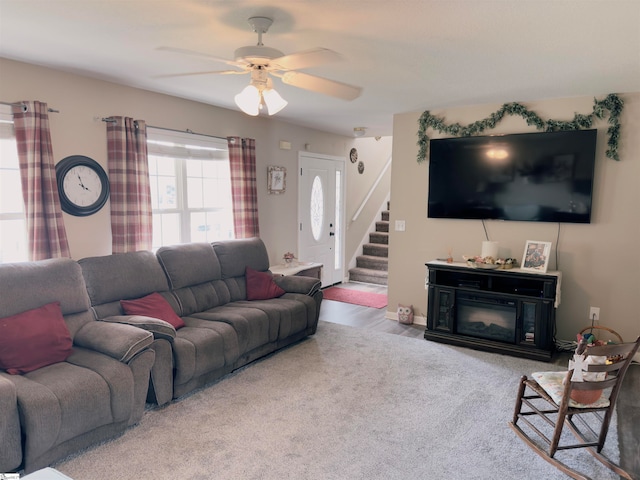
(503, 311)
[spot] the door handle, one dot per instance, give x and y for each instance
(331, 234)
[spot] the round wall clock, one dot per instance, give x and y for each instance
(83, 185)
(353, 155)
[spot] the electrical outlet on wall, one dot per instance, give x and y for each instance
(400, 225)
(594, 314)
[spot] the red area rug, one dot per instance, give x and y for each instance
(356, 297)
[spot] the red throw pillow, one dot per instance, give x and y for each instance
(34, 339)
(153, 305)
(260, 285)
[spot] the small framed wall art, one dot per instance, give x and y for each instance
(276, 179)
(536, 256)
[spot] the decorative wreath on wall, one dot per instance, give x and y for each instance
(612, 104)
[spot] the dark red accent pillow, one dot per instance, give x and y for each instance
(34, 339)
(153, 305)
(260, 285)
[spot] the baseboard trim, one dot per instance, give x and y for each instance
(417, 319)
(420, 320)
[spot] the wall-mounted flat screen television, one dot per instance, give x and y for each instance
(539, 177)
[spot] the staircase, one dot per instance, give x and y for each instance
(372, 265)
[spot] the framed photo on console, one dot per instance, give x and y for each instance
(536, 256)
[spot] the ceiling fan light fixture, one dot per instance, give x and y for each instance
(262, 62)
(273, 100)
(248, 100)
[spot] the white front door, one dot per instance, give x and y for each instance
(321, 214)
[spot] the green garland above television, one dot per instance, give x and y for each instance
(612, 104)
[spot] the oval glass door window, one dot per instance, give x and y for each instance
(317, 208)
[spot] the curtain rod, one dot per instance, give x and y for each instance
(111, 120)
(25, 108)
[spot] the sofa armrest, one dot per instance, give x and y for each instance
(10, 441)
(298, 284)
(122, 342)
(159, 328)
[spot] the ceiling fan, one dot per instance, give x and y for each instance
(262, 62)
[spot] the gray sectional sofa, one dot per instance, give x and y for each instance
(205, 285)
(95, 393)
(222, 309)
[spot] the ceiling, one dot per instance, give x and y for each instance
(408, 55)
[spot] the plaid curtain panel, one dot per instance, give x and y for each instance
(45, 225)
(131, 214)
(242, 163)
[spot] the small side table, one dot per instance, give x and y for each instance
(303, 269)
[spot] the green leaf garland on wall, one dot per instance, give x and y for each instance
(612, 104)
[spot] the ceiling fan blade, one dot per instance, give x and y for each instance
(211, 72)
(306, 59)
(184, 51)
(321, 85)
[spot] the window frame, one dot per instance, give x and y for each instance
(7, 133)
(181, 147)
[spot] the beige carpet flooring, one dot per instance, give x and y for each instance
(340, 405)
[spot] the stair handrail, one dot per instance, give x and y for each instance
(371, 190)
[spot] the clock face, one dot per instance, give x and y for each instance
(83, 185)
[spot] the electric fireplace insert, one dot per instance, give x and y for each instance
(504, 311)
(486, 317)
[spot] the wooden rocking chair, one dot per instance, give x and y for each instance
(553, 399)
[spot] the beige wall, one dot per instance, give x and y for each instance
(599, 262)
(77, 130)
